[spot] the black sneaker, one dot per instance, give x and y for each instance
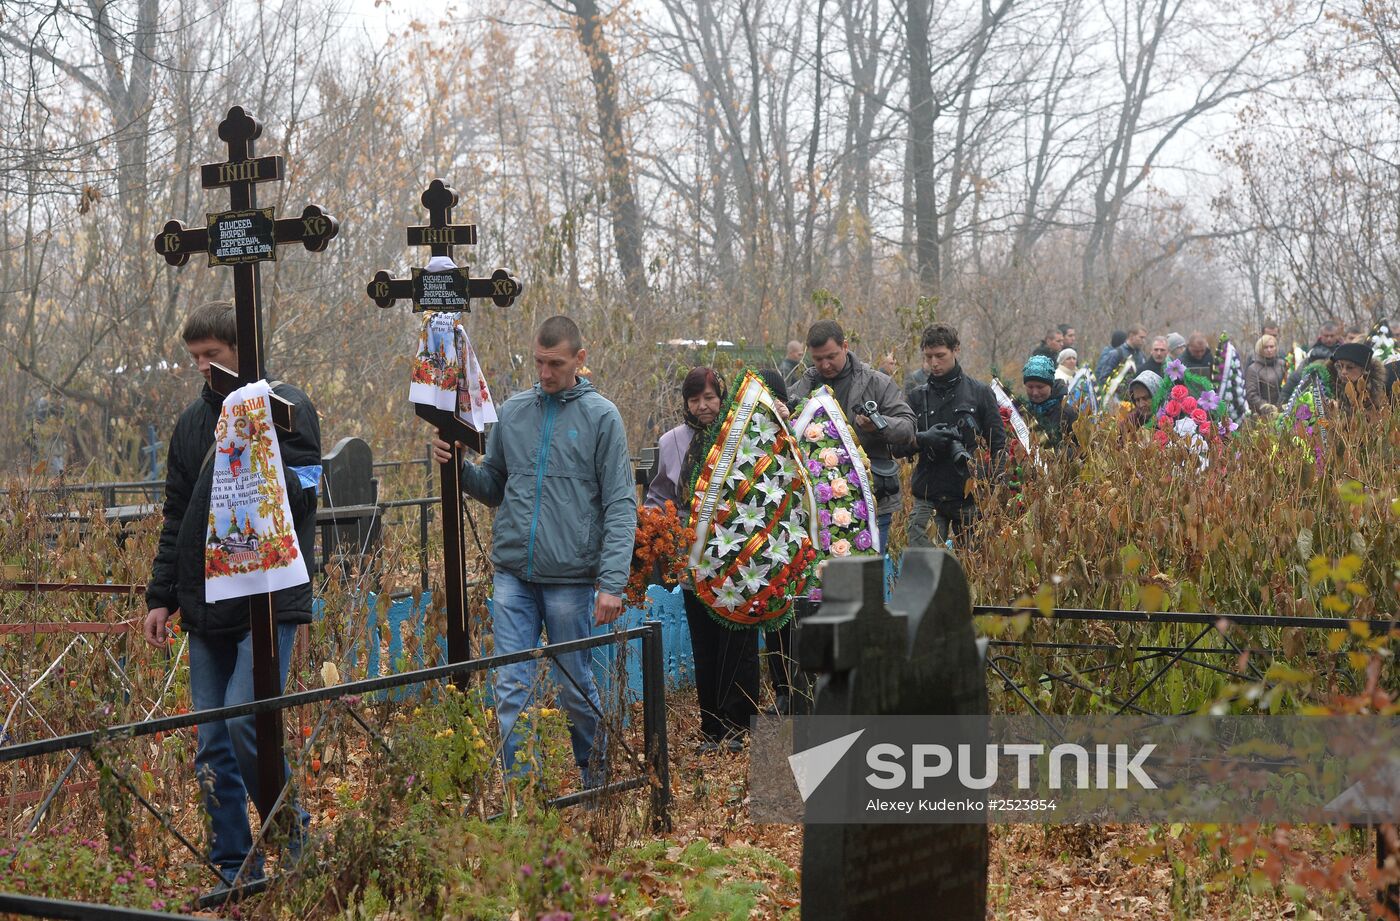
(734, 744)
(707, 747)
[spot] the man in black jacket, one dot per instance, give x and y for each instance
(953, 414)
(221, 655)
(1157, 357)
(1327, 339)
(1051, 343)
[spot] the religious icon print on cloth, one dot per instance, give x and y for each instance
(437, 365)
(474, 404)
(841, 482)
(250, 545)
(753, 513)
(1081, 393)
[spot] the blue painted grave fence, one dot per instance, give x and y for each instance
(663, 605)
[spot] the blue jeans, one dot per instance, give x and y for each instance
(226, 760)
(882, 521)
(520, 611)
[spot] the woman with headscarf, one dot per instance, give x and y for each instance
(1263, 379)
(1066, 365)
(1142, 391)
(726, 659)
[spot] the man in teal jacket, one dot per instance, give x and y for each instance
(557, 467)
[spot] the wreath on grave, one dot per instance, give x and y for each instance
(1308, 404)
(1229, 378)
(1306, 411)
(840, 473)
(1189, 410)
(1114, 387)
(753, 513)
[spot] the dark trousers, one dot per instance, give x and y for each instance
(951, 518)
(726, 671)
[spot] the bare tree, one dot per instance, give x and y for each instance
(626, 219)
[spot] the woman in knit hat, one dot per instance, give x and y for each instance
(1358, 379)
(1066, 365)
(1045, 404)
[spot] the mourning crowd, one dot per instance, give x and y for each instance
(558, 471)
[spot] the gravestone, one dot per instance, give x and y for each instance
(349, 512)
(644, 468)
(447, 291)
(244, 237)
(918, 656)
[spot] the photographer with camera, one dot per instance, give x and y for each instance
(952, 413)
(871, 400)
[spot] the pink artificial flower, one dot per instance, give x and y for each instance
(1172, 409)
(1204, 427)
(1189, 404)
(1160, 437)
(1164, 422)
(813, 432)
(1179, 392)
(840, 489)
(1199, 415)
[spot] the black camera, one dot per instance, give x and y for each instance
(872, 409)
(942, 441)
(962, 457)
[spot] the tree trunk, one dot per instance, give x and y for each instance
(626, 218)
(923, 112)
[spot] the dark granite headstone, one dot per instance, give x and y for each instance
(915, 656)
(349, 516)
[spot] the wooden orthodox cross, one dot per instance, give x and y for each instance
(451, 291)
(242, 238)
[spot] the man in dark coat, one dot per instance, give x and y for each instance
(1327, 339)
(221, 646)
(1051, 343)
(1157, 357)
(953, 414)
(1130, 347)
(1198, 356)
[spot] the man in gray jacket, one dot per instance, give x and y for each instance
(557, 467)
(873, 402)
